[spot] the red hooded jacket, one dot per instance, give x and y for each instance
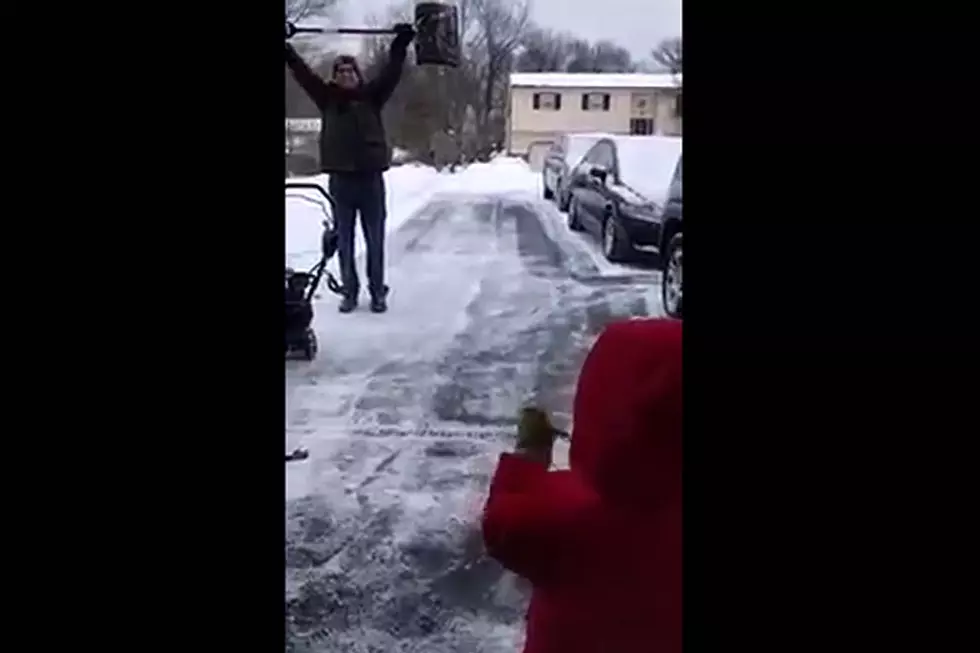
(601, 542)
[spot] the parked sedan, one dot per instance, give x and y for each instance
(620, 191)
(564, 155)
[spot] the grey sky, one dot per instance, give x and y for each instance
(634, 24)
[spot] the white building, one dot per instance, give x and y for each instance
(543, 105)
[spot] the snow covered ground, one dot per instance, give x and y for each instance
(494, 304)
(410, 187)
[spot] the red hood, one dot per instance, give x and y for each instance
(626, 441)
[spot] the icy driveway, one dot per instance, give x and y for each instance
(404, 415)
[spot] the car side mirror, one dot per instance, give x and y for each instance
(599, 173)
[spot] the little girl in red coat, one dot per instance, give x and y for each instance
(601, 542)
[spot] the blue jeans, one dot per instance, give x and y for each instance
(364, 193)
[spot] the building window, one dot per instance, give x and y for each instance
(677, 106)
(595, 102)
(641, 126)
(547, 101)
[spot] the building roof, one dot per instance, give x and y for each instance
(596, 80)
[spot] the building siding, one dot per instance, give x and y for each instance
(526, 125)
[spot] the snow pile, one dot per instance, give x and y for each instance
(502, 175)
(555, 225)
(409, 187)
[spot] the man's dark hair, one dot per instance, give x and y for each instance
(348, 60)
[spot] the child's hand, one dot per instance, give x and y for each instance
(535, 436)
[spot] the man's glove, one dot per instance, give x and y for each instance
(535, 436)
(290, 30)
(404, 33)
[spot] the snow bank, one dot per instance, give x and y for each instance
(501, 175)
(555, 225)
(408, 187)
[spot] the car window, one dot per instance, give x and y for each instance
(604, 156)
(590, 156)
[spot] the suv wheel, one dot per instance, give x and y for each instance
(615, 246)
(672, 285)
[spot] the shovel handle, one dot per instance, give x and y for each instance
(344, 30)
(361, 30)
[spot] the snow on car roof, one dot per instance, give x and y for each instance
(647, 163)
(596, 80)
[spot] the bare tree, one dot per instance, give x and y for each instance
(428, 112)
(462, 86)
(668, 54)
(413, 111)
(298, 105)
(611, 58)
(502, 24)
(300, 9)
(544, 51)
(601, 57)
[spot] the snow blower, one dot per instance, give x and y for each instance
(436, 33)
(301, 286)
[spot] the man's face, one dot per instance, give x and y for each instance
(345, 75)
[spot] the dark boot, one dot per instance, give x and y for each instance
(379, 302)
(348, 304)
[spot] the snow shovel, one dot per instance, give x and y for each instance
(436, 33)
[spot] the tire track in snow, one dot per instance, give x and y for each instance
(425, 613)
(530, 330)
(393, 562)
(433, 274)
